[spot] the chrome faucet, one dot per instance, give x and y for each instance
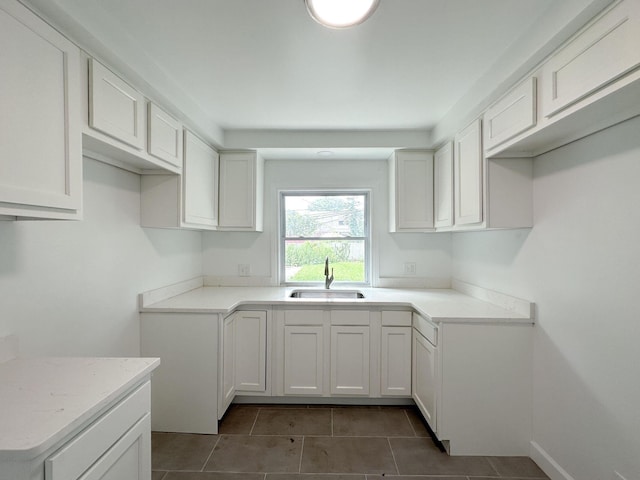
(328, 280)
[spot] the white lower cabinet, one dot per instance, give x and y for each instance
(303, 360)
(115, 447)
(350, 360)
(425, 378)
(395, 361)
(185, 390)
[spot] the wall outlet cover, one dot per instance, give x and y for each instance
(410, 268)
(244, 270)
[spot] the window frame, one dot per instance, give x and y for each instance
(282, 238)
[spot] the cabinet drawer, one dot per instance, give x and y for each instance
(303, 317)
(512, 115)
(597, 56)
(349, 317)
(396, 319)
(115, 107)
(87, 447)
(426, 328)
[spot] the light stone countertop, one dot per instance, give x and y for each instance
(43, 399)
(439, 305)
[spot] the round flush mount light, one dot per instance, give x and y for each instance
(325, 153)
(341, 13)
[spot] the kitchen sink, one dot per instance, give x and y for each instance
(324, 293)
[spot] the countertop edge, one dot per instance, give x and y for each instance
(93, 412)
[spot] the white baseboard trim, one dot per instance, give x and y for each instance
(548, 465)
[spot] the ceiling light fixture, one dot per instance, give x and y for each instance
(341, 13)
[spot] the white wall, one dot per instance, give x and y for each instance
(223, 251)
(581, 265)
(70, 288)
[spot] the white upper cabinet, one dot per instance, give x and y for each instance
(511, 115)
(468, 175)
(115, 107)
(40, 118)
(605, 50)
(200, 182)
(411, 191)
(443, 186)
(241, 191)
(165, 136)
(189, 200)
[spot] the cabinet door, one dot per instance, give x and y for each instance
(511, 115)
(424, 378)
(228, 362)
(200, 182)
(350, 360)
(412, 191)
(115, 107)
(395, 361)
(240, 191)
(40, 118)
(165, 136)
(251, 351)
(443, 186)
(604, 51)
(303, 360)
(468, 176)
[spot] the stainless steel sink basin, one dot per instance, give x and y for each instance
(324, 293)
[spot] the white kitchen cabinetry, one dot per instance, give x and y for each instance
(411, 191)
(443, 186)
(604, 51)
(120, 130)
(468, 175)
(228, 349)
(350, 352)
(489, 192)
(115, 107)
(472, 383)
(189, 200)
(115, 447)
(40, 123)
(76, 418)
(165, 136)
(185, 390)
(395, 354)
(511, 115)
(303, 351)
(244, 356)
(425, 375)
(241, 191)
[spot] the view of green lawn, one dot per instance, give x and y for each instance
(342, 272)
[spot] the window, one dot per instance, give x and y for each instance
(317, 225)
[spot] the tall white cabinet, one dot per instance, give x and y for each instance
(468, 175)
(40, 123)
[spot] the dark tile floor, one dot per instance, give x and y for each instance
(322, 443)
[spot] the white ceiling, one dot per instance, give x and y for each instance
(265, 64)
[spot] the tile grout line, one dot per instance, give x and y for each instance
(255, 420)
(493, 466)
(211, 454)
(393, 455)
(406, 414)
(332, 422)
(301, 454)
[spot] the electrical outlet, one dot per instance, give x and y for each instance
(410, 268)
(244, 269)
(617, 476)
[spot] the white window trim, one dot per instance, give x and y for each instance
(325, 191)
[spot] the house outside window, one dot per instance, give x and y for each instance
(324, 224)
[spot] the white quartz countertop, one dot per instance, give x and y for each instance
(43, 400)
(439, 305)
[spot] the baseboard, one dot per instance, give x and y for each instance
(548, 465)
